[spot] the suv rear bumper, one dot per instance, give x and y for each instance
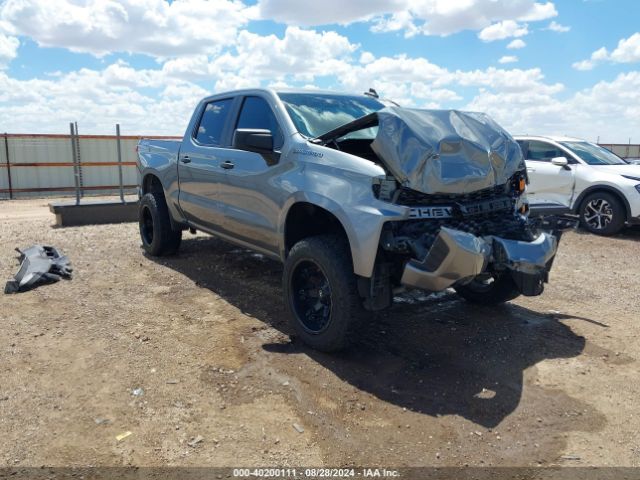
(456, 257)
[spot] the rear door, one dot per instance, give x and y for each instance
(550, 186)
(202, 153)
(251, 200)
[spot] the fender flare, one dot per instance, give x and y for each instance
(325, 203)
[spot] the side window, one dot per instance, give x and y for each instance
(213, 122)
(542, 152)
(256, 113)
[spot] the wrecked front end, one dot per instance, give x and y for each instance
(463, 179)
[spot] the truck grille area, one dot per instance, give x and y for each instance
(415, 237)
(410, 197)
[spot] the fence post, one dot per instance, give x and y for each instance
(79, 160)
(6, 151)
(119, 162)
(76, 174)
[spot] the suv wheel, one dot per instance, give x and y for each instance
(489, 289)
(321, 292)
(158, 237)
(602, 213)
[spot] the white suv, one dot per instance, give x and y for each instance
(569, 175)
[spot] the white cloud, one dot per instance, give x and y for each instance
(8, 49)
(98, 100)
(516, 44)
(556, 27)
(609, 110)
(153, 27)
(301, 54)
(583, 65)
(502, 30)
(627, 51)
(444, 17)
(430, 17)
(325, 12)
(508, 59)
(367, 57)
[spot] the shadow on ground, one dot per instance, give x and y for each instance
(433, 354)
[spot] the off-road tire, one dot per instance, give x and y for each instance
(331, 254)
(616, 207)
(501, 290)
(157, 235)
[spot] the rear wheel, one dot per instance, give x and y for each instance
(158, 237)
(321, 292)
(489, 289)
(602, 213)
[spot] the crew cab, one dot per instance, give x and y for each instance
(356, 196)
(569, 175)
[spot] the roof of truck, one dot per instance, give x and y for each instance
(293, 90)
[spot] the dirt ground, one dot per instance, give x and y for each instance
(550, 380)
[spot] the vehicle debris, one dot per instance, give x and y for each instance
(137, 392)
(195, 441)
(298, 428)
(38, 265)
(123, 435)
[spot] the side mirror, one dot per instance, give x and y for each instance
(253, 140)
(560, 161)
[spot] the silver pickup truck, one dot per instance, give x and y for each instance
(357, 196)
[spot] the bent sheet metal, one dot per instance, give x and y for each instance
(39, 265)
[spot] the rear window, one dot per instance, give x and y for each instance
(213, 122)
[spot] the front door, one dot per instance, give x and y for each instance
(550, 186)
(250, 199)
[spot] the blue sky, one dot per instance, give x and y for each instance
(547, 67)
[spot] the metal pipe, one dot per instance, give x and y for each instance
(76, 175)
(119, 162)
(79, 160)
(6, 150)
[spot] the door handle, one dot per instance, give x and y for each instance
(227, 165)
(529, 169)
(185, 159)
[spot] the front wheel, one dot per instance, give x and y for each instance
(321, 292)
(489, 289)
(602, 213)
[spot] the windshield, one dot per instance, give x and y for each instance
(316, 113)
(594, 154)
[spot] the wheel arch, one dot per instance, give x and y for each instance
(305, 219)
(151, 184)
(603, 188)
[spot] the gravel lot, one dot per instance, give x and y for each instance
(551, 380)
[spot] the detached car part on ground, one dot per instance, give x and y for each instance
(38, 265)
(394, 198)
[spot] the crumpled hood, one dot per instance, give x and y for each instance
(445, 151)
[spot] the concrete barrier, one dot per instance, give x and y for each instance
(93, 213)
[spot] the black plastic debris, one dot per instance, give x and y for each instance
(38, 265)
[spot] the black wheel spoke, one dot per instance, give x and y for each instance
(312, 296)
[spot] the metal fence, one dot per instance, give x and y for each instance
(41, 165)
(624, 150)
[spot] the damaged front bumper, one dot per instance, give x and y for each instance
(457, 257)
